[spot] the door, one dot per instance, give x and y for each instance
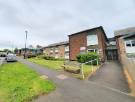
(112, 55)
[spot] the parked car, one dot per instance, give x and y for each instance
(3, 56)
(11, 57)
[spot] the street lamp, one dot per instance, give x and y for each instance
(26, 32)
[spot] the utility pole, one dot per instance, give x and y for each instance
(26, 32)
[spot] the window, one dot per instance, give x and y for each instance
(66, 55)
(92, 40)
(66, 48)
(133, 42)
(130, 46)
(56, 50)
(82, 52)
(92, 50)
(128, 43)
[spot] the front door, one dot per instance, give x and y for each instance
(112, 55)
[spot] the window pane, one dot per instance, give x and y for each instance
(128, 43)
(92, 40)
(82, 52)
(92, 50)
(133, 42)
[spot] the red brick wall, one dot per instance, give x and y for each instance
(128, 64)
(61, 51)
(75, 42)
(121, 48)
(80, 40)
(101, 44)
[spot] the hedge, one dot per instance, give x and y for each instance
(82, 58)
(47, 57)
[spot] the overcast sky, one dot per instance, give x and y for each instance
(49, 21)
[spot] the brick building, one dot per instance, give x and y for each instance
(125, 41)
(91, 40)
(58, 50)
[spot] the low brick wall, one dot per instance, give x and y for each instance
(129, 66)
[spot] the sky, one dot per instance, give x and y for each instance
(50, 21)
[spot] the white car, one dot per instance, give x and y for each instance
(3, 56)
(11, 57)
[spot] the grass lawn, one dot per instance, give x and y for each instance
(18, 83)
(48, 63)
(87, 71)
(52, 64)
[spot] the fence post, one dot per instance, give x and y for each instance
(97, 61)
(82, 71)
(92, 67)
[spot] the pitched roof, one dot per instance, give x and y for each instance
(57, 44)
(124, 31)
(87, 30)
(129, 36)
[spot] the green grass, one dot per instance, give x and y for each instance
(52, 64)
(18, 83)
(87, 71)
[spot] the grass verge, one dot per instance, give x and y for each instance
(52, 64)
(18, 83)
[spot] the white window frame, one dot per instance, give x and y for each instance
(89, 42)
(67, 55)
(94, 50)
(129, 49)
(130, 41)
(66, 48)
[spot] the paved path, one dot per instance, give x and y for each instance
(111, 75)
(75, 90)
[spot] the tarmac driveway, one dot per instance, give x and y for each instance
(111, 75)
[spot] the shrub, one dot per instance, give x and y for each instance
(82, 58)
(31, 55)
(47, 57)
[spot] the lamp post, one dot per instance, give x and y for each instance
(26, 32)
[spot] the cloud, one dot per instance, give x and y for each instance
(49, 21)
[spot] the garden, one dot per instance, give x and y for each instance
(56, 64)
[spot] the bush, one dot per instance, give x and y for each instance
(31, 55)
(82, 58)
(46, 57)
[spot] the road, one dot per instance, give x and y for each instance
(74, 90)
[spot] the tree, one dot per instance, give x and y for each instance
(16, 50)
(38, 47)
(31, 46)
